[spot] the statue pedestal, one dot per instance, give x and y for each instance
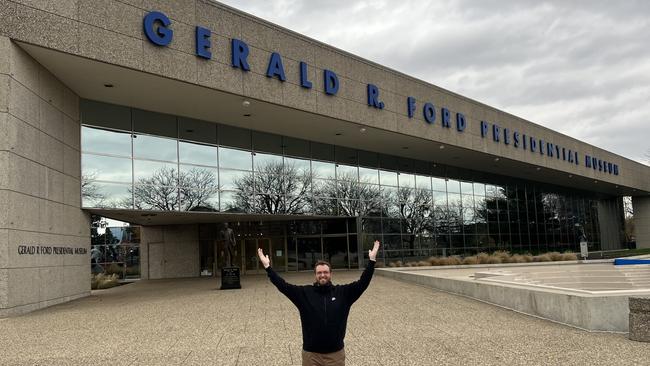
(230, 278)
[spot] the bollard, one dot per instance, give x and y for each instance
(639, 319)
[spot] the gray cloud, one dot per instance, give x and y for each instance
(578, 67)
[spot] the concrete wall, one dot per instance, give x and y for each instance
(111, 32)
(641, 207)
(170, 251)
(40, 195)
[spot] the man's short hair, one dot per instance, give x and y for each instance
(323, 263)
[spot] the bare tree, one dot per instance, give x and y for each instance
(275, 188)
(353, 198)
(167, 190)
(90, 191)
(415, 212)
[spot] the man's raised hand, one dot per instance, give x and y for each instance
(372, 254)
(266, 262)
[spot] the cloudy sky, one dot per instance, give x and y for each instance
(578, 67)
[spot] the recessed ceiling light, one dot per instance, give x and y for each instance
(538, 168)
(247, 115)
(108, 85)
(362, 130)
(338, 134)
(496, 159)
(570, 175)
(245, 104)
(442, 147)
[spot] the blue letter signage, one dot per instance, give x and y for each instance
(161, 36)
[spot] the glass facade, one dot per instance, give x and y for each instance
(133, 159)
(115, 250)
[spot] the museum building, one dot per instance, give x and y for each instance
(192, 120)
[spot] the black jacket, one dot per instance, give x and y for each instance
(323, 309)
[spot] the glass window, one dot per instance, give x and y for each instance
(95, 167)
(150, 197)
(105, 115)
(368, 175)
(192, 153)
(267, 163)
(199, 200)
(325, 188)
(406, 180)
(439, 184)
(156, 148)
(105, 142)
(321, 169)
(389, 193)
(231, 179)
(347, 172)
(423, 182)
(479, 189)
(234, 159)
(439, 198)
(155, 173)
(199, 178)
(453, 186)
(388, 178)
(466, 188)
(300, 165)
(154, 123)
(106, 195)
(195, 130)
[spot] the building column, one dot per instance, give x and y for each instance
(44, 234)
(641, 207)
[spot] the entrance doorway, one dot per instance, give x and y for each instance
(252, 264)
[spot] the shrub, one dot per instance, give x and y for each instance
(568, 256)
(434, 261)
(494, 259)
(423, 263)
(379, 265)
(555, 256)
(502, 255)
(518, 258)
(399, 264)
(102, 281)
(411, 264)
(470, 260)
(392, 264)
(482, 258)
(454, 260)
(542, 258)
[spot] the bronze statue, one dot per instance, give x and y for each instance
(228, 237)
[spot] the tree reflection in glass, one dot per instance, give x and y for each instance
(275, 188)
(163, 188)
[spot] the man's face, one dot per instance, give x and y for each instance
(323, 274)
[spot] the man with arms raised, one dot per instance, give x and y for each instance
(323, 308)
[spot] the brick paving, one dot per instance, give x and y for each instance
(190, 322)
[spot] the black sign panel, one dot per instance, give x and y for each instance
(230, 278)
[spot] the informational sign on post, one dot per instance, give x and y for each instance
(584, 250)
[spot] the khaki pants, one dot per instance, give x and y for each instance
(323, 359)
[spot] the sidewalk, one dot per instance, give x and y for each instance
(189, 322)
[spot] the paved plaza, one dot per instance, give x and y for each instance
(190, 322)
